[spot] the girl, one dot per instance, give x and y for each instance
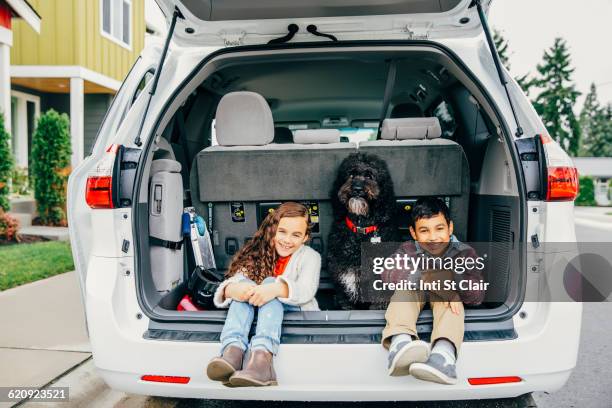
(274, 272)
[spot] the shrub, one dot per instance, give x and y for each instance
(6, 166)
(8, 227)
(586, 195)
(51, 166)
(20, 181)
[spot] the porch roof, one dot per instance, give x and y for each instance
(56, 79)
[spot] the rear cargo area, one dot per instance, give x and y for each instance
(233, 185)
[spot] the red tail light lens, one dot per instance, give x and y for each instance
(99, 192)
(562, 184)
(494, 380)
(165, 379)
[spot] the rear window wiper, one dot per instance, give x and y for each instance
(176, 15)
(497, 61)
(312, 29)
(292, 28)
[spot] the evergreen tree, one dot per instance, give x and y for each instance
(588, 116)
(50, 166)
(600, 140)
(6, 166)
(596, 126)
(503, 50)
(558, 95)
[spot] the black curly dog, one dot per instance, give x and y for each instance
(363, 202)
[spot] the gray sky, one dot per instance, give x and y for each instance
(531, 26)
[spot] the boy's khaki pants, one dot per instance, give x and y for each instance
(404, 310)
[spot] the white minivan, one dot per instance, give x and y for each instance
(322, 64)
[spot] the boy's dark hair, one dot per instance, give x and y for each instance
(428, 207)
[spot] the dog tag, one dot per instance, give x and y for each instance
(375, 239)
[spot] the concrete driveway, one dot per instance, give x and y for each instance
(43, 332)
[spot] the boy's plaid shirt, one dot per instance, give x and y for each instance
(456, 249)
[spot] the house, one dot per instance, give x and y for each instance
(12, 10)
(600, 170)
(75, 65)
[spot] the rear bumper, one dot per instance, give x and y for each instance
(399, 389)
(543, 355)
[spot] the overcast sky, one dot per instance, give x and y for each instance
(531, 26)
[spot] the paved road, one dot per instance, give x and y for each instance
(590, 385)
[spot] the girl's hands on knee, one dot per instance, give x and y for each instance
(262, 294)
(239, 291)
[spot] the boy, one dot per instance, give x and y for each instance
(432, 230)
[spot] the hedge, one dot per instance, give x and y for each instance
(6, 166)
(51, 166)
(586, 196)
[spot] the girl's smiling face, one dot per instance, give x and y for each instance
(291, 233)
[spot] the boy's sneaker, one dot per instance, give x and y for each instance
(405, 354)
(435, 369)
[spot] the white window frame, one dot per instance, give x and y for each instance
(109, 35)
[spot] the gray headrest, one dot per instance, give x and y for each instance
(311, 136)
(411, 128)
(171, 166)
(244, 119)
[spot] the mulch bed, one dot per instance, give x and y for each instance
(23, 239)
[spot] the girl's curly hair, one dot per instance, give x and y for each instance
(257, 258)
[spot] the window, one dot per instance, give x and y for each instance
(142, 84)
(356, 135)
(446, 115)
(358, 132)
(116, 22)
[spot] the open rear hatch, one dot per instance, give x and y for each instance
(242, 22)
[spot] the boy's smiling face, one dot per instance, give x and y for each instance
(433, 234)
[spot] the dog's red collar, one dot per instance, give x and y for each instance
(360, 230)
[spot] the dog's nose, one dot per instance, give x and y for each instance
(358, 185)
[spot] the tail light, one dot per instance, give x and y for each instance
(494, 380)
(562, 184)
(166, 379)
(561, 175)
(99, 191)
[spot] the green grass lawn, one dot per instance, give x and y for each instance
(24, 263)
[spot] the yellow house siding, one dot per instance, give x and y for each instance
(71, 35)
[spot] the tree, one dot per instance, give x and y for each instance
(558, 95)
(588, 115)
(6, 165)
(503, 49)
(600, 143)
(596, 127)
(50, 166)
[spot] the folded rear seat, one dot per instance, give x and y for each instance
(235, 183)
(423, 164)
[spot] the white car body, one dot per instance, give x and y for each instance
(543, 354)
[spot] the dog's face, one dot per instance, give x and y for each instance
(360, 187)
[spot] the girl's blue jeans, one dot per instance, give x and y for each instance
(269, 322)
